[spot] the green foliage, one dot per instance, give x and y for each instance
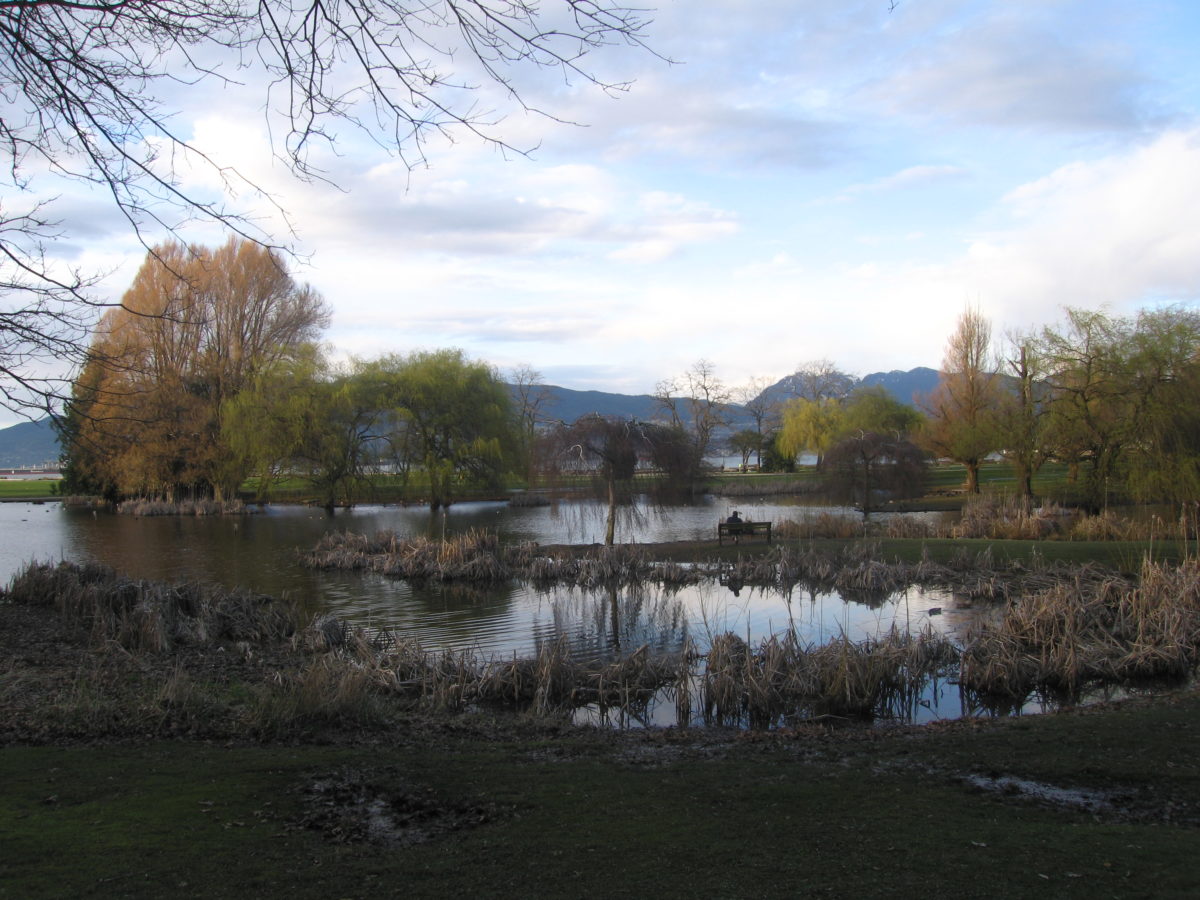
(746, 442)
(810, 426)
(874, 409)
(1122, 404)
(450, 415)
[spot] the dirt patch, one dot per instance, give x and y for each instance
(378, 807)
(1121, 804)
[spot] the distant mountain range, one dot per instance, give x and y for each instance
(566, 405)
(35, 443)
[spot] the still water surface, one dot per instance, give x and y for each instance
(259, 552)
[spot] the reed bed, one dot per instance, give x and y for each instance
(822, 525)
(152, 616)
(480, 557)
(783, 679)
(759, 486)
(1091, 630)
(1058, 630)
(552, 682)
(1006, 517)
(203, 507)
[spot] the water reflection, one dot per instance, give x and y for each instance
(259, 552)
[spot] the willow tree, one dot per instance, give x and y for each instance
(869, 463)
(452, 415)
(810, 426)
(1022, 412)
(1163, 378)
(611, 451)
(328, 425)
(194, 329)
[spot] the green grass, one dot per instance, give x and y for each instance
(28, 489)
(667, 814)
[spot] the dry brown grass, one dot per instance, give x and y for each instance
(821, 525)
(782, 679)
(203, 507)
(146, 616)
(1093, 630)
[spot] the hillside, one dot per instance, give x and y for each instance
(904, 386)
(566, 405)
(28, 444)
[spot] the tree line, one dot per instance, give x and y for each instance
(1113, 397)
(210, 372)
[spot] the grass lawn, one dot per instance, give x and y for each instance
(28, 488)
(666, 814)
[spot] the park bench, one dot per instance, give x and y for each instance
(738, 530)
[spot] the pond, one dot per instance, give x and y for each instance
(259, 551)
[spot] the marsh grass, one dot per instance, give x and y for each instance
(1057, 631)
(785, 680)
(145, 506)
(1096, 629)
(147, 616)
(823, 524)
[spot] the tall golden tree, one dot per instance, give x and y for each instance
(960, 413)
(194, 328)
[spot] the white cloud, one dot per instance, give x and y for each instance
(1023, 64)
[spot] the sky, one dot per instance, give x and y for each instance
(785, 181)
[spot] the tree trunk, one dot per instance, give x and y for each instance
(972, 477)
(610, 528)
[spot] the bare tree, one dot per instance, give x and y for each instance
(532, 396)
(85, 87)
(763, 409)
(820, 380)
(696, 401)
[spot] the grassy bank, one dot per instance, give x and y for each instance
(364, 799)
(28, 489)
(460, 810)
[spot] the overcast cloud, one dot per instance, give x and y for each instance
(807, 180)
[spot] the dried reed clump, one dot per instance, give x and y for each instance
(146, 506)
(477, 556)
(152, 616)
(725, 676)
(84, 501)
(782, 678)
(1006, 517)
(1091, 630)
(328, 690)
(823, 525)
(911, 528)
(763, 487)
(1106, 526)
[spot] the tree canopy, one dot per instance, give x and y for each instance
(195, 328)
